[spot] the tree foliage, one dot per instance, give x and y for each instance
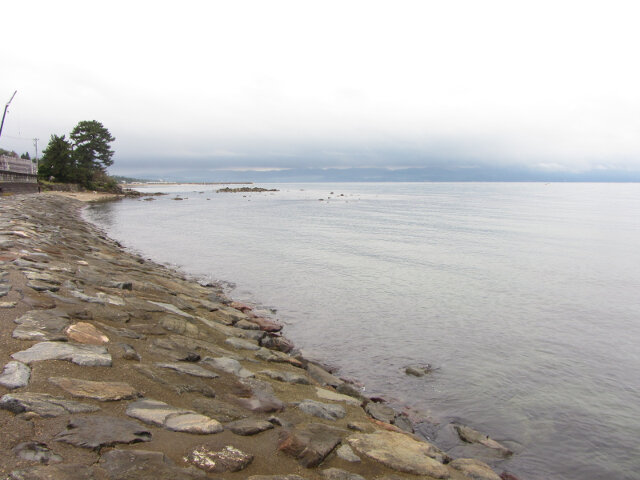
(83, 159)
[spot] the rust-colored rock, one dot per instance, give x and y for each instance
(83, 332)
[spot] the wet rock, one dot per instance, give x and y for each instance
(189, 369)
(323, 377)
(470, 435)
(474, 469)
(15, 375)
(222, 411)
(241, 343)
(418, 370)
(86, 333)
(336, 397)
(229, 459)
(228, 365)
(43, 404)
(380, 412)
(249, 426)
(347, 454)
(65, 471)
(338, 474)
(287, 377)
(403, 423)
(322, 410)
(143, 465)
(309, 444)
(95, 431)
(401, 452)
(36, 452)
(172, 418)
(84, 355)
(102, 391)
(42, 325)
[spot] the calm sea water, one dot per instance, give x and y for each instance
(524, 297)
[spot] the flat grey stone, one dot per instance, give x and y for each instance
(15, 375)
(143, 465)
(347, 454)
(171, 308)
(468, 434)
(43, 404)
(36, 452)
(380, 412)
(228, 365)
(43, 287)
(95, 431)
(172, 418)
(339, 474)
(336, 397)
(7, 304)
(474, 469)
(85, 355)
(63, 471)
(4, 290)
(323, 377)
(229, 459)
(249, 426)
(287, 377)
(189, 369)
(42, 277)
(242, 344)
(322, 410)
(218, 409)
(42, 325)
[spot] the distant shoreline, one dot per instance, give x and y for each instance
(169, 184)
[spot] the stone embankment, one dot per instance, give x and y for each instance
(114, 367)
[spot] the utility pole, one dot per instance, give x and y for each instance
(35, 143)
(6, 107)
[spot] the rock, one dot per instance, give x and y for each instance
(241, 343)
(309, 444)
(474, 469)
(470, 435)
(401, 452)
(266, 325)
(172, 418)
(171, 308)
(276, 477)
(41, 325)
(15, 375)
(229, 459)
(322, 410)
(36, 452)
(4, 290)
(336, 397)
(350, 389)
(228, 365)
(65, 471)
(126, 352)
(86, 333)
(275, 342)
(247, 325)
(249, 426)
(95, 431)
(189, 369)
(222, 411)
(43, 404)
(122, 332)
(346, 453)
(84, 355)
(323, 377)
(288, 377)
(42, 277)
(260, 402)
(43, 287)
(338, 474)
(275, 356)
(102, 391)
(143, 465)
(380, 412)
(403, 423)
(7, 304)
(418, 370)
(180, 326)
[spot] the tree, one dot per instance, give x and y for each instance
(25, 156)
(91, 150)
(57, 161)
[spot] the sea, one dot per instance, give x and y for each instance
(524, 298)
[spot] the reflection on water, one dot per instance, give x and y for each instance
(524, 296)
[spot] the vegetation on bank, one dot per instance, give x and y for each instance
(83, 159)
(245, 189)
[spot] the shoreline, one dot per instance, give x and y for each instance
(77, 275)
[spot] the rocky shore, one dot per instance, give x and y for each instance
(114, 367)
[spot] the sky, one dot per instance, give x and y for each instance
(199, 88)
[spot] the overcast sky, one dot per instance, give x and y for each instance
(266, 84)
